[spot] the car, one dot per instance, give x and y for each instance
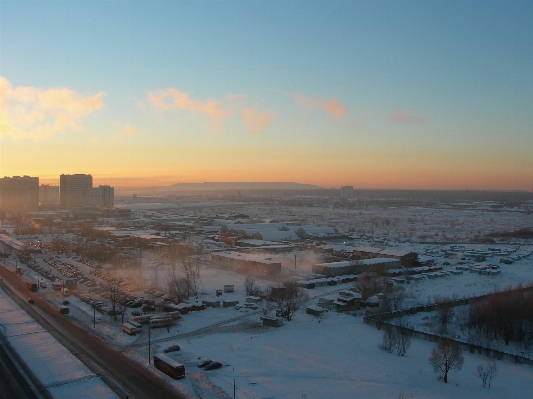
(204, 363)
(172, 348)
(134, 313)
(65, 302)
(213, 366)
(64, 310)
(251, 306)
(30, 300)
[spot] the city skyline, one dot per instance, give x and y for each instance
(407, 95)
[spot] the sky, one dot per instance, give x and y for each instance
(374, 94)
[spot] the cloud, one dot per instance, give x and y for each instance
(31, 112)
(256, 122)
(397, 116)
(218, 111)
(127, 131)
(164, 100)
(333, 107)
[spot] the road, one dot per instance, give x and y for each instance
(12, 385)
(125, 376)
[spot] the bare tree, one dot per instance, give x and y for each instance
(444, 311)
(395, 295)
(403, 342)
(446, 356)
(114, 294)
(178, 287)
(249, 285)
(395, 339)
(288, 298)
(487, 372)
(388, 340)
(370, 284)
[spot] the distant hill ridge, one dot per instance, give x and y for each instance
(245, 186)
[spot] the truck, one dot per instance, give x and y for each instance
(32, 285)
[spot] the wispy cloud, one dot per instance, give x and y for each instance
(218, 111)
(127, 132)
(397, 116)
(31, 112)
(257, 122)
(333, 106)
(168, 99)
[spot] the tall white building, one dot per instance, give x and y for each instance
(74, 190)
(102, 196)
(19, 194)
(48, 194)
(77, 190)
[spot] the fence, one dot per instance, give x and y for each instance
(379, 320)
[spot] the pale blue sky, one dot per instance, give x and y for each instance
(457, 75)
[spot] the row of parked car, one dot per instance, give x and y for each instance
(41, 270)
(126, 287)
(68, 270)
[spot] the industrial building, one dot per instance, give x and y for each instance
(245, 263)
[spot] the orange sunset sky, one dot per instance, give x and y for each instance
(415, 95)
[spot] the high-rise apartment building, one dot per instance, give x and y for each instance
(74, 190)
(102, 196)
(19, 194)
(347, 192)
(48, 195)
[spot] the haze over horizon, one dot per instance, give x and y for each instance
(391, 95)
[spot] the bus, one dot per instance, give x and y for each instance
(164, 321)
(144, 319)
(168, 366)
(129, 329)
(57, 285)
(32, 285)
(138, 326)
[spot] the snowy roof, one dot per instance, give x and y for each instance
(394, 252)
(376, 261)
(275, 235)
(368, 249)
(254, 226)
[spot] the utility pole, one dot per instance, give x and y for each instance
(149, 343)
(94, 317)
(294, 261)
(233, 382)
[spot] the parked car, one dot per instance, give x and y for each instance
(172, 348)
(213, 366)
(64, 310)
(204, 363)
(65, 302)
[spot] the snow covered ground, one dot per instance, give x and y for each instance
(55, 367)
(338, 356)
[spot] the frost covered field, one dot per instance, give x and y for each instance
(337, 356)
